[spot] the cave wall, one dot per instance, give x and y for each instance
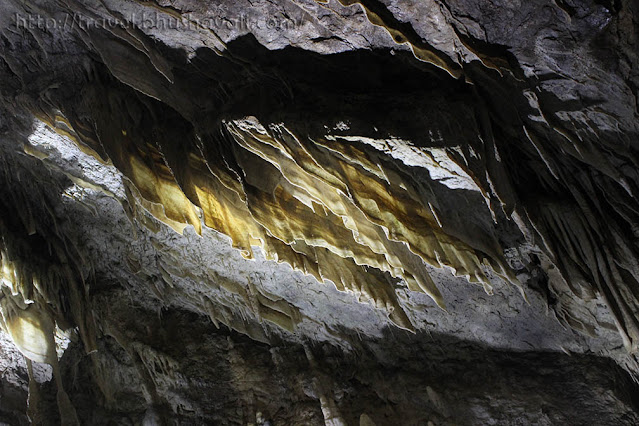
(303, 209)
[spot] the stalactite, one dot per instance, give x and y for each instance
(331, 212)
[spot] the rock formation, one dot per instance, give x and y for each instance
(328, 212)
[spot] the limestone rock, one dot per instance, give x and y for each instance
(319, 212)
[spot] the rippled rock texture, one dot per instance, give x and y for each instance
(319, 212)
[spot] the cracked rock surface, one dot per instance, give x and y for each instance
(332, 212)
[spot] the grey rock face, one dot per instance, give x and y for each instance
(337, 172)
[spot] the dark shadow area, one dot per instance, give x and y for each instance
(413, 377)
(372, 89)
(444, 379)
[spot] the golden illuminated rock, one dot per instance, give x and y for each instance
(327, 208)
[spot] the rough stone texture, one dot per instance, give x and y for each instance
(516, 123)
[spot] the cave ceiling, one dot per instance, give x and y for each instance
(336, 212)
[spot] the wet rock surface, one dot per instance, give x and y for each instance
(306, 212)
